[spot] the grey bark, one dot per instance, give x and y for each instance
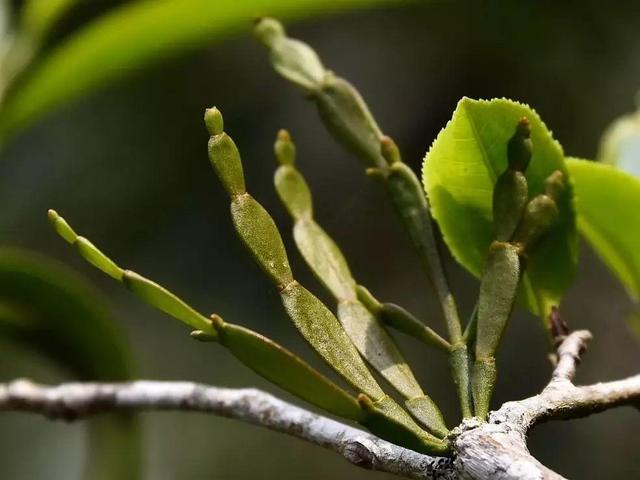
(493, 450)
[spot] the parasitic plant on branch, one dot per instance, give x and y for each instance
(501, 191)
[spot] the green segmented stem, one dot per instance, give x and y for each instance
(262, 355)
(323, 331)
(339, 104)
(518, 223)
(498, 290)
(502, 272)
(258, 232)
(314, 320)
(293, 59)
(347, 117)
(328, 264)
(411, 204)
(399, 318)
(286, 370)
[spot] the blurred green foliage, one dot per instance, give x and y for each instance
(47, 308)
(118, 154)
(126, 38)
(620, 143)
(607, 200)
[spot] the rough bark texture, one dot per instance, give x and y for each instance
(493, 450)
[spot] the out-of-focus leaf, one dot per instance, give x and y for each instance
(607, 202)
(62, 315)
(38, 16)
(5, 15)
(47, 308)
(459, 173)
(135, 35)
(620, 143)
(633, 321)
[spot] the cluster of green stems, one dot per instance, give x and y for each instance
(355, 339)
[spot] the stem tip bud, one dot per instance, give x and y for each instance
(213, 120)
(284, 148)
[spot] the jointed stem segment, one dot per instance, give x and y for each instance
(264, 356)
(357, 333)
(313, 319)
(518, 223)
(397, 317)
(348, 118)
(327, 262)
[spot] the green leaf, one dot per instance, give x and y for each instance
(59, 313)
(633, 322)
(134, 36)
(459, 173)
(620, 143)
(37, 17)
(47, 308)
(607, 202)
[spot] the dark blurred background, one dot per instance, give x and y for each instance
(128, 168)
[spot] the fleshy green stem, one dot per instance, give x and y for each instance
(262, 355)
(329, 265)
(411, 204)
(402, 320)
(350, 121)
(314, 320)
(518, 224)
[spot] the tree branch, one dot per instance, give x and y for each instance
(493, 450)
(561, 399)
(569, 351)
(74, 401)
(498, 449)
